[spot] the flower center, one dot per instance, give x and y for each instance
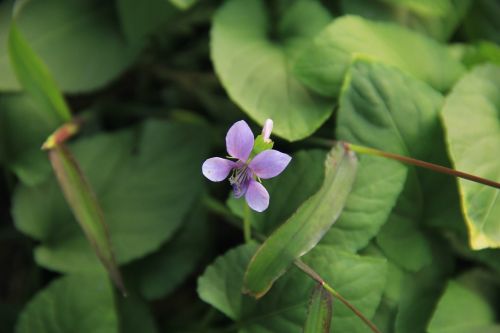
(239, 180)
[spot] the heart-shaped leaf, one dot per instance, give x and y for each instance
(381, 107)
(145, 180)
(255, 70)
(75, 303)
(323, 65)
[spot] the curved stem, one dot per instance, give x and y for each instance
(316, 277)
(422, 164)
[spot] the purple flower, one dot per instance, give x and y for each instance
(246, 171)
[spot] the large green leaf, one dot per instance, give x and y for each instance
(145, 180)
(161, 272)
(299, 234)
(255, 70)
(74, 303)
(471, 118)
(436, 18)
(461, 310)
(284, 308)
(383, 108)
(322, 65)
(79, 40)
(23, 130)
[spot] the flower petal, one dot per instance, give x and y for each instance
(239, 140)
(269, 163)
(217, 169)
(257, 196)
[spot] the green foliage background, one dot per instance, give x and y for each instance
(157, 84)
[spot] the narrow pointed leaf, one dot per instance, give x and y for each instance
(471, 119)
(35, 77)
(85, 207)
(319, 315)
(299, 234)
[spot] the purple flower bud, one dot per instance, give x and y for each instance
(266, 130)
(246, 172)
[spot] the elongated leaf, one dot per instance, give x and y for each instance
(360, 279)
(79, 303)
(471, 119)
(35, 77)
(256, 71)
(84, 205)
(383, 108)
(146, 180)
(306, 227)
(319, 315)
(323, 65)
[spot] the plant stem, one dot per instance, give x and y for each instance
(419, 163)
(316, 277)
(247, 225)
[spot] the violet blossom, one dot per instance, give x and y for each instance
(246, 171)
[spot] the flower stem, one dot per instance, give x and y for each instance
(247, 225)
(419, 163)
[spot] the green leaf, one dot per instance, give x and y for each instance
(482, 22)
(383, 108)
(79, 40)
(74, 303)
(23, 130)
(374, 193)
(143, 181)
(140, 19)
(135, 315)
(160, 273)
(306, 227)
(323, 65)
(460, 310)
(183, 4)
(255, 70)
(319, 314)
(472, 105)
(436, 18)
(35, 77)
(8, 78)
(284, 309)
